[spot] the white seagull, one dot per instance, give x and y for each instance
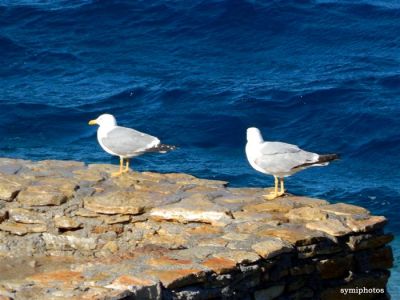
(280, 159)
(125, 142)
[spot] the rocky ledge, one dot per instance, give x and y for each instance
(69, 231)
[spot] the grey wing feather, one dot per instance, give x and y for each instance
(269, 148)
(127, 141)
(279, 157)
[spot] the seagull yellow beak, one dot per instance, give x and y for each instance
(92, 122)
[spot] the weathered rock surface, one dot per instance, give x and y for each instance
(22, 229)
(69, 231)
(195, 208)
(10, 186)
(26, 216)
(119, 202)
(63, 222)
(41, 196)
(271, 247)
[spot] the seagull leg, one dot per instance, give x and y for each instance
(121, 163)
(275, 193)
(126, 166)
(282, 191)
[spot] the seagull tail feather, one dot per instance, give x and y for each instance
(162, 148)
(323, 160)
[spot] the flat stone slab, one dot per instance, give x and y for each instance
(367, 241)
(300, 201)
(303, 214)
(26, 216)
(331, 226)
(41, 196)
(293, 234)
(197, 208)
(220, 265)
(83, 212)
(279, 205)
(177, 278)
(10, 186)
(140, 288)
(271, 247)
(119, 202)
(239, 256)
(22, 229)
(345, 209)
(365, 225)
(64, 222)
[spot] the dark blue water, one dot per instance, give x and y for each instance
(320, 74)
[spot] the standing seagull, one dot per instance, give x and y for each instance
(280, 159)
(125, 142)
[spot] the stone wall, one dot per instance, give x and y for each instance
(69, 231)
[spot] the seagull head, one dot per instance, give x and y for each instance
(105, 120)
(254, 135)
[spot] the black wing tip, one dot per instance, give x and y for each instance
(167, 147)
(323, 159)
(162, 148)
(328, 157)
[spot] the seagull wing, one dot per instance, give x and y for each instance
(269, 148)
(283, 158)
(126, 141)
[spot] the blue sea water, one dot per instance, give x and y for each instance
(320, 74)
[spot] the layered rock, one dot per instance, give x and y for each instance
(70, 231)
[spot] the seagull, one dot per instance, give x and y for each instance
(280, 159)
(125, 142)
